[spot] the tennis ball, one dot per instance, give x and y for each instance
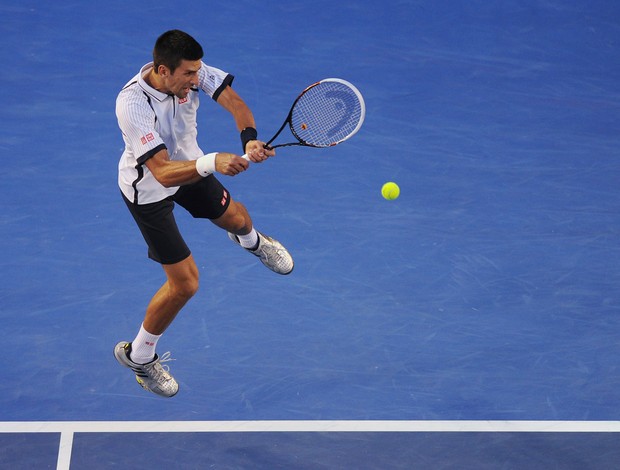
(390, 191)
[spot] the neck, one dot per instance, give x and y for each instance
(154, 80)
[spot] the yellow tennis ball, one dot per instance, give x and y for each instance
(390, 191)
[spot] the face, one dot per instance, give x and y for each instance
(185, 76)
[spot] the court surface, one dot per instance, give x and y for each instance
(471, 323)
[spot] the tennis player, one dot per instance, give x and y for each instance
(162, 166)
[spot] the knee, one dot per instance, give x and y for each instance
(186, 288)
(191, 287)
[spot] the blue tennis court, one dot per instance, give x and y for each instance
(471, 323)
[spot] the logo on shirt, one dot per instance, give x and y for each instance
(224, 198)
(183, 100)
(147, 138)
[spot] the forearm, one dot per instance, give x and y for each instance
(171, 173)
(176, 173)
(244, 118)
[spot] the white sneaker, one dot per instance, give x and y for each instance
(271, 253)
(151, 376)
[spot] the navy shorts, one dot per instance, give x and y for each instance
(206, 199)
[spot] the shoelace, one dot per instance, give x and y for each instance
(165, 357)
(268, 248)
(161, 373)
(275, 254)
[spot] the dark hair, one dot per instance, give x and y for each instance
(174, 46)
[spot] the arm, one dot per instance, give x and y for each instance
(234, 104)
(178, 173)
(135, 119)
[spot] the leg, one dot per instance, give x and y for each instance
(235, 220)
(238, 223)
(167, 247)
(180, 286)
(209, 199)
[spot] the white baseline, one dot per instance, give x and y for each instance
(307, 426)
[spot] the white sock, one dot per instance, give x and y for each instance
(250, 240)
(143, 347)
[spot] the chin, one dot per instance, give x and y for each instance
(181, 95)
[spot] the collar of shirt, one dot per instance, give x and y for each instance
(158, 95)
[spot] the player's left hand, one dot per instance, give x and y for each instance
(257, 152)
(230, 164)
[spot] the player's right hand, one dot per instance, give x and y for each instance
(256, 151)
(230, 164)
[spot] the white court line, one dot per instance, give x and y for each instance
(64, 451)
(67, 429)
(307, 426)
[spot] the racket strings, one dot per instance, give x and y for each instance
(326, 114)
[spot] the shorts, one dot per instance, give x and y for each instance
(206, 199)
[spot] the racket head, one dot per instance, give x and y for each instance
(327, 113)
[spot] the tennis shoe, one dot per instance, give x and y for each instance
(271, 253)
(151, 376)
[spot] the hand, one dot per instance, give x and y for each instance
(230, 164)
(256, 151)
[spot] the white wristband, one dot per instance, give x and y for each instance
(205, 165)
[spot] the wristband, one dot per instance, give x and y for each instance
(205, 165)
(247, 134)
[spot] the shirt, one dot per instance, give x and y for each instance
(151, 121)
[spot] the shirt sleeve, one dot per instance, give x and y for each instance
(213, 80)
(136, 119)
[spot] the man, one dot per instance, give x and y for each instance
(162, 165)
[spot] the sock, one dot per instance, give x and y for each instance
(249, 241)
(143, 347)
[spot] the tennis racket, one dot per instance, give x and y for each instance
(325, 114)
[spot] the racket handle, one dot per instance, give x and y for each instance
(245, 155)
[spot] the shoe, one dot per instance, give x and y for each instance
(151, 376)
(271, 253)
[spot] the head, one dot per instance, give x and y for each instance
(176, 61)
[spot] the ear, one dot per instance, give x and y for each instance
(163, 71)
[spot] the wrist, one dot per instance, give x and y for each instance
(205, 165)
(247, 134)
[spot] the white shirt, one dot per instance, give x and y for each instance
(151, 121)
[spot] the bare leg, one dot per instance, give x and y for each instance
(181, 285)
(182, 282)
(235, 220)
